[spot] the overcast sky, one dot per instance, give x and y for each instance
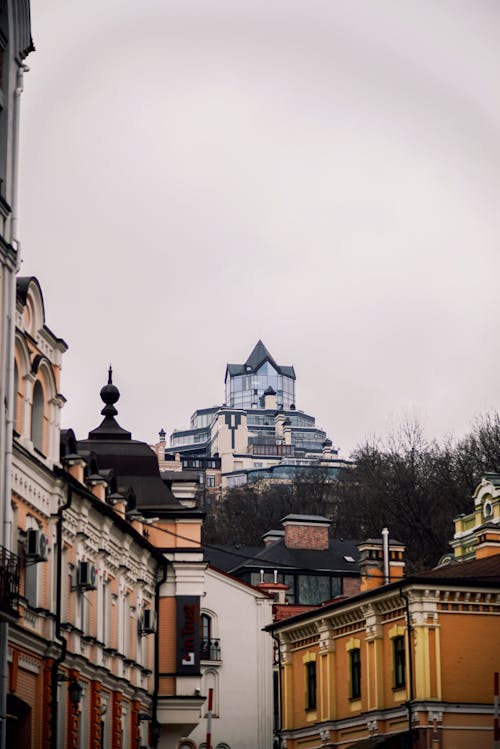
(324, 175)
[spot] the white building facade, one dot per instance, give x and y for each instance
(237, 663)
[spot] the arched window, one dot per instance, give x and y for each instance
(37, 416)
(16, 389)
(210, 644)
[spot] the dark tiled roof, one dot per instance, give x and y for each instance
(134, 466)
(230, 556)
(475, 572)
(481, 571)
(131, 464)
(277, 555)
(285, 611)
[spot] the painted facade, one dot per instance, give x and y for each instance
(87, 575)
(236, 662)
(105, 595)
(408, 663)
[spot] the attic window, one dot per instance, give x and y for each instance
(348, 558)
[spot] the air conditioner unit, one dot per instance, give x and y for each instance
(86, 576)
(147, 622)
(36, 545)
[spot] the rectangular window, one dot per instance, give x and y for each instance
(398, 645)
(311, 685)
(355, 673)
(31, 583)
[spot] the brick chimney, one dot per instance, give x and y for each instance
(306, 532)
(270, 537)
(377, 569)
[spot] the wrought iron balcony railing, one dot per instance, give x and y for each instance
(210, 650)
(10, 566)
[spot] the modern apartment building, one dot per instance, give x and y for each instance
(257, 434)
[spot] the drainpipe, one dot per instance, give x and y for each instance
(280, 696)
(156, 686)
(8, 393)
(58, 636)
(409, 629)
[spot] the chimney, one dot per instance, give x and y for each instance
(269, 398)
(306, 532)
(97, 485)
(287, 431)
(279, 420)
(376, 568)
(277, 590)
(326, 452)
(270, 537)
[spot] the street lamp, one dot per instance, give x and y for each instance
(75, 689)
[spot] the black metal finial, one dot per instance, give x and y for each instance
(110, 395)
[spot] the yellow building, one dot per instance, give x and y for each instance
(415, 652)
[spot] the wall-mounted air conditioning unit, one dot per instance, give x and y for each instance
(86, 576)
(147, 622)
(36, 545)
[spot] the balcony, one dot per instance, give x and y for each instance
(271, 449)
(210, 650)
(9, 584)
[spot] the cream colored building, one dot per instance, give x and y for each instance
(236, 662)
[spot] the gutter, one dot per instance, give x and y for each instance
(155, 726)
(410, 663)
(277, 730)
(8, 395)
(58, 636)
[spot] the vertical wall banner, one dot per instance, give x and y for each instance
(188, 635)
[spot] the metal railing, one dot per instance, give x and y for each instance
(10, 566)
(210, 650)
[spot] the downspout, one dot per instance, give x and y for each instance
(10, 332)
(280, 696)
(409, 629)
(58, 636)
(155, 726)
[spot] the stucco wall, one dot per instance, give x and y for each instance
(244, 703)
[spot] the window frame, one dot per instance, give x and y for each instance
(355, 674)
(399, 662)
(311, 684)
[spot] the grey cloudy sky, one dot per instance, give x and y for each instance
(198, 174)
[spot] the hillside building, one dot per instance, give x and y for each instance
(257, 435)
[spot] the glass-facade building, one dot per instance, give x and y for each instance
(247, 386)
(247, 390)
(246, 383)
